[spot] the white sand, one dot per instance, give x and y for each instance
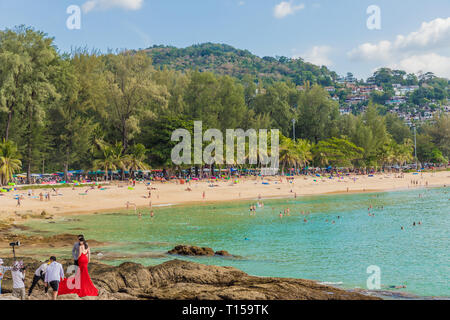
(115, 197)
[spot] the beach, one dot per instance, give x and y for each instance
(331, 236)
(114, 197)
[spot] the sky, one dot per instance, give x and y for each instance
(355, 36)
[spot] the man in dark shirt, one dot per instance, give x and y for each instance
(76, 249)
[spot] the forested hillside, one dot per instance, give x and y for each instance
(223, 59)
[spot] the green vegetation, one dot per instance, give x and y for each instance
(117, 111)
(223, 59)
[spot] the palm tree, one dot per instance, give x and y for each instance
(9, 162)
(404, 152)
(135, 160)
(305, 155)
(119, 158)
(289, 155)
(108, 160)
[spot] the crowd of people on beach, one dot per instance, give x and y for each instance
(51, 273)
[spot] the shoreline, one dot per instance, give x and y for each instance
(113, 198)
(394, 294)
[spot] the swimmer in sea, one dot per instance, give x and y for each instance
(397, 287)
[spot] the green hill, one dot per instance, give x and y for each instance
(227, 60)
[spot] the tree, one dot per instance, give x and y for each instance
(135, 160)
(288, 153)
(70, 122)
(31, 58)
(279, 104)
(111, 158)
(427, 151)
(9, 162)
(397, 128)
(439, 131)
(369, 132)
(132, 94)
(317, 115)
(337, 152)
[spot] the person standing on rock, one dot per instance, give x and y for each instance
(39, 275)
(83, 284)
(53, 276)
(76, 250)
(18, 277)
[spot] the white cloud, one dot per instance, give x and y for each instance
(439, 65)
(241, 3)
(413, 52)
(433, 34)
(108, 4)
(317, 55)
(285, 8)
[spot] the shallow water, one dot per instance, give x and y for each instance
(339, 253)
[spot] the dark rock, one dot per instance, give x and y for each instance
(181, 280)
(191, 251)
(223, 253)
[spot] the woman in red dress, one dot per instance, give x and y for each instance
(82, 284)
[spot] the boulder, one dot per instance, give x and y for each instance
(183, 250)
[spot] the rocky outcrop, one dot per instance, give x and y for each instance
(179, 280)
(191, 251)
(183, 250)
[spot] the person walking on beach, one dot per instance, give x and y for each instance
(76, 249)
(53, 276)
(39, 275)
(18, 277)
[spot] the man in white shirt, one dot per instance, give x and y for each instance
(53, 276)
(18, 276)
(39, 275)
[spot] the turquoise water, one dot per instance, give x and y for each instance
(339, 253)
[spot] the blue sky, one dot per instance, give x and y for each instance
(414, 34)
